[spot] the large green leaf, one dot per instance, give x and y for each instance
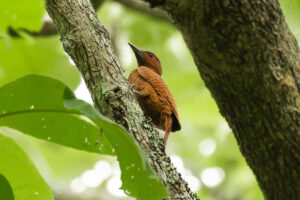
(24, 179)
(291, 10)
(21, 14)
(47, 109)
(35, 106)
(43, 56)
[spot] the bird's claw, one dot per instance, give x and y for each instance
(131, 86)
(140, 94)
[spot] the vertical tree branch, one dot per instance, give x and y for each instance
(250, 62)
(88, 43)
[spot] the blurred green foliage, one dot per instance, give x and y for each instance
(21, 14)
(198, 112)
(291, 10)
(44, 56)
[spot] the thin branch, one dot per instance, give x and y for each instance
(144, 7)
(48, 27)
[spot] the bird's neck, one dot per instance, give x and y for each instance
(156, 69)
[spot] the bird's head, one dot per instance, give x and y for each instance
(147, 59)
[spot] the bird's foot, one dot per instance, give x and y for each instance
(140, 94)
(131, 85)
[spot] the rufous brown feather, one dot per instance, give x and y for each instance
(152, 93)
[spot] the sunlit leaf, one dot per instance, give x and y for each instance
(35, 105)
(21, 175)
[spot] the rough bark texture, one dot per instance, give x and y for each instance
(88, 43)
(250, 62)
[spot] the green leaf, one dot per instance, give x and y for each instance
(291, 11)
(21, 14)
(5, 189)
(35, 106)
(45, 108)
(22, 176)
(43, 56)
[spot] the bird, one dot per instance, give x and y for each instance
(152, 93)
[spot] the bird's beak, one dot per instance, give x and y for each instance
(138, 53)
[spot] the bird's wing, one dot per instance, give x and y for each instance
(162, 90)
(132, 77)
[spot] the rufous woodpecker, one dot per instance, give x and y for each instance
(152, 93)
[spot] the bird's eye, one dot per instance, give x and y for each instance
(151, 55)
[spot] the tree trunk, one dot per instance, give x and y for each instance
(250, 62)
(88, 43)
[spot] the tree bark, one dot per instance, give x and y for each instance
(250, 62)
(88, 43)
